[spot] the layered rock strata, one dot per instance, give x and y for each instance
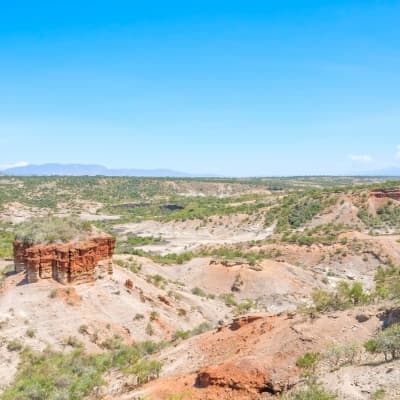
(66, 263)
(393, 194)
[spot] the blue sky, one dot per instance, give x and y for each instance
(228, 87)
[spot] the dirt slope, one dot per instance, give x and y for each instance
(252, 356)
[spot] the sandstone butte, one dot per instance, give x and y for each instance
(67, 263)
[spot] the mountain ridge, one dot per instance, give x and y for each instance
(52, 169)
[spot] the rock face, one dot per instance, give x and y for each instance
(66, 263)
(393, 194)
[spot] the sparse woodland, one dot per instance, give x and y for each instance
(307, 250)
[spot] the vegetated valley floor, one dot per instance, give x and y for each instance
(222, 289)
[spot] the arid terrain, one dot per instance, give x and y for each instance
(221, 289)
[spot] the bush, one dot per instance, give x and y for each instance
(308, 361)
(339, 355)
(83, 329)
(228, 299)
(73, 342)
(386, 342)
(379, 394)
(31, 333)
(244, 307)
(157, 280)
(14, 345)
(113, 343)
(199, 292)
(344, 297)
(183, 335)
(388, 282)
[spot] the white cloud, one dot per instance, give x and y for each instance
(363, 158)
(13, 165)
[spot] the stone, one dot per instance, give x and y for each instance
(361, 318)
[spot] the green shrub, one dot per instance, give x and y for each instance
(199, 292)
(339, 355)
(344, 297)
(244, 307)
(379, 394)
(386, 342)
(83, 329)
(30, 333)
(113, 343)
(202, 328)
(228, 299)
(388, 282)
(157, 280)
(14, 345)
(183, 335)
(120, 263)
(72, 341)
(308, 361)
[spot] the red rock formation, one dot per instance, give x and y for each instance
(129, 284)
(67, 263)
(246, 375)
(20, 256)
(393, 194)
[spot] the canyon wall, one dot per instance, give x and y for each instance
(393, 194)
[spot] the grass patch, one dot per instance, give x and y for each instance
(53, 375)
(6, 240)
(311, 392)
(52, 230)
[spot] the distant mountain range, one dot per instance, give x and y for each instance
(93, 170)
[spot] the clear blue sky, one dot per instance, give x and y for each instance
(228, 87)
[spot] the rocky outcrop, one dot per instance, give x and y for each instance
(66, 263)
(393, 194)
(246, 375)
